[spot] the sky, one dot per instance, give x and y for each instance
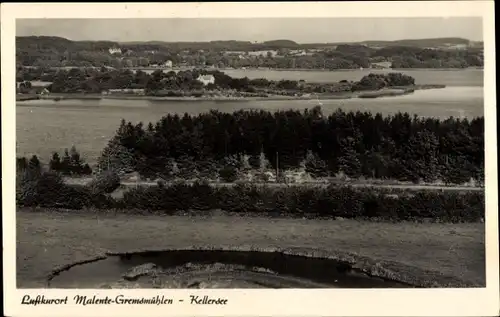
(300, 30)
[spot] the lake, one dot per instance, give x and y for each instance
(467, 77)
(458, 77)
(217, 269)
(44, 126)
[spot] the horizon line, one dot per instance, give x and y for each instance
(255, 42)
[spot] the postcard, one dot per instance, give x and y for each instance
(249, 159)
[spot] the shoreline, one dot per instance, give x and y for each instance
(332, 70)
(361, 243)
(272, 69)
(388, 92)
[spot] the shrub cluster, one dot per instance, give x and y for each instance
(47, 190)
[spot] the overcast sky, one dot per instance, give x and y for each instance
(301, 30)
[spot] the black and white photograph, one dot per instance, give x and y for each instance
(250, 153)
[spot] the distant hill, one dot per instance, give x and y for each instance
(420, 42)
(281, 44)
(59, 44)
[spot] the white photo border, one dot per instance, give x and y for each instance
(285, 302)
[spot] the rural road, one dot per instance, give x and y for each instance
(83, 181)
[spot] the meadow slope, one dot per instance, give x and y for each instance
(49, 239)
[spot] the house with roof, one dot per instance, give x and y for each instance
(168, 64)
(115, 50)
(206, 79)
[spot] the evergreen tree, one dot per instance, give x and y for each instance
(21, 163)
(349, 162)
(116, 157)
(66, 163)
(55, 162)
(458, 171)
(34, 164)
(263, 162)
(76, 163)
(421, 156)
(315, 166)
(86, 170)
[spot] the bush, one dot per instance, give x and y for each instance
(105, 183)
(48, 190)
(38, 189)
(229, 174)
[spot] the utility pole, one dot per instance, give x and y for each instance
(277, 168)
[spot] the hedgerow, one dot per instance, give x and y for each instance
(294, 201)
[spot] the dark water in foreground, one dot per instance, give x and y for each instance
(289, 271)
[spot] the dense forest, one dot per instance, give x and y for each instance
(57, 52)
(356, 144)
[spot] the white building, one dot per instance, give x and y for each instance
(115, 50)
(298, 53)
(272, 53)
(206, 79)
(134, 91)
(168, 64)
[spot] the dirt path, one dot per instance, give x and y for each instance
(83, 181)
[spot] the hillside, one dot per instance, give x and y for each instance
(433, 42)
(62, 44)
(50, 51)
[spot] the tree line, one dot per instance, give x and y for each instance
(57, 52)
(69, 164)
(357, 144)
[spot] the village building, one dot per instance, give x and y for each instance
(115, 50)
(298, 53)
(206, 79)
(168, 64)
(134, 91)
(271, 53)
(381, 65)
(234, 53)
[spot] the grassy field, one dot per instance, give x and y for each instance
(49, 239)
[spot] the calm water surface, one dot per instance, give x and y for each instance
(459, 77)
(467, 77)
(44, 126)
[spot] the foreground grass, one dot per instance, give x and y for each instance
(49, 239)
